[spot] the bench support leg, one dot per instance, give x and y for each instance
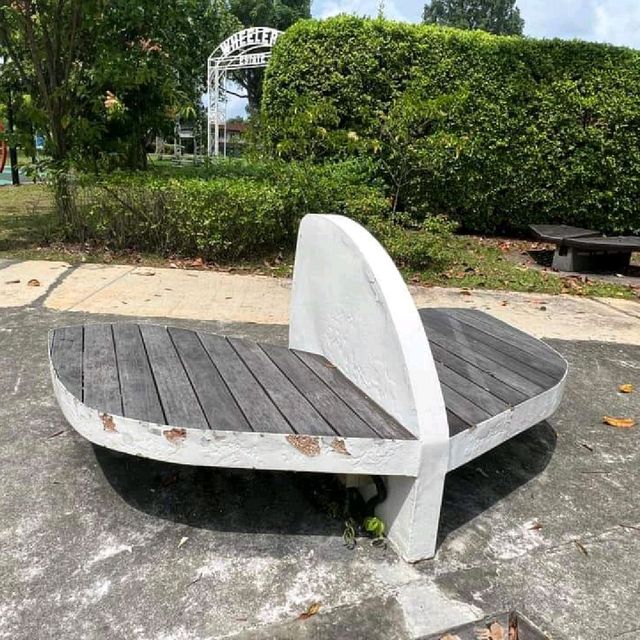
(411, 511)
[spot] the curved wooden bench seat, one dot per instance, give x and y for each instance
(494, 378)
(367, 386)
(198, 398)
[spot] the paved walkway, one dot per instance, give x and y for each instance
(97, 546)
(224, 297)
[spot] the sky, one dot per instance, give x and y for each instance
(613, 21)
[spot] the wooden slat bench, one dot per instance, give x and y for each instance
(368, 385)
(580, 249)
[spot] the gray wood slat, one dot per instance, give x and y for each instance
(178, 399)
(454, 333)
(484, 363)
(463, 407)
(456, 424)
(480, 377)
(139, 394)
(331, 407)
(66, 354)
(508, 350)
(379, 420)
(552, 363)
(260, 411)
(482, 398)
(101, 382)
(298, 411)
(220, 408)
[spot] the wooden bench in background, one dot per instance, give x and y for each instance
(585, 250)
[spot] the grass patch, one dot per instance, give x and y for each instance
(478, 266)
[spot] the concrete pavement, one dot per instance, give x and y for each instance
(92, 544)
(210, 295)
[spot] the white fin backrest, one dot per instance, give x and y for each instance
(350, 304)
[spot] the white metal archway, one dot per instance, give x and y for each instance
(247, 49)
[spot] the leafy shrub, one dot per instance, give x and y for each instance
(242, 210)
(496, 132)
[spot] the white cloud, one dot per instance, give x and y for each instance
(614, 21)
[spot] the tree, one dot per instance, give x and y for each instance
(279, 14)
(496, 16)
(107, 75)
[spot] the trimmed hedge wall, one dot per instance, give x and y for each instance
(496, 132)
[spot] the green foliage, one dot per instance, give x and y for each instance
(279, 14)
(495, 16)
(237, 209)
(496, 132)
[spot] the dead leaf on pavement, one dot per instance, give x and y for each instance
(581, 547)
(535, 526)
(311, 611)
(33, 283)
(619, 423)
(465, 292)
(625, 388)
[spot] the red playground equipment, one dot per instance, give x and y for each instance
(3, 151)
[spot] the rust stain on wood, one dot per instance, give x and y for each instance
(108, 423)
(307, 445)
(338, 445)
(175, 435)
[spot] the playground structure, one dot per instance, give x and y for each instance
(246, 49)
(3, 151)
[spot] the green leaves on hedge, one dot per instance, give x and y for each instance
(496, 132)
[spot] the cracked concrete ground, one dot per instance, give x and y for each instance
(90, 541)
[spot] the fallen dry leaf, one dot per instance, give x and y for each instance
(33, 283)
(619, 423)
(535, 526)
(311, 611)
(465, 292)
(494, 632)
(625, 388)
(582, 548)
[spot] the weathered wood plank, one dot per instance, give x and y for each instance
(378, 419)
(66, 355)
(101, 382)
(139, 394)
(453, 334)
(469, 390)
(330, 406)
(220, 407)
(509, 352)
(456, 424)
(298, 411)
(551, 363)
(475, 359)
(178, 399)
(463, 407)
(477, 375)
(260, 411)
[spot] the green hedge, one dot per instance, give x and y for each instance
(241, 210)
(496, 132)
